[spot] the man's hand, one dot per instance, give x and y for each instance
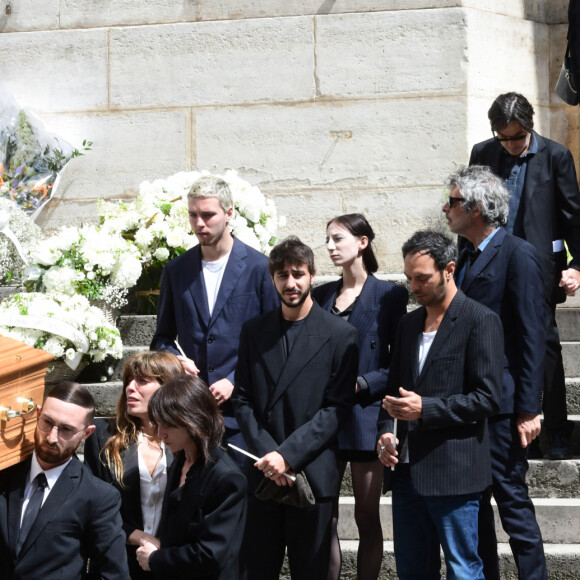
(570, 281)
(529, 428)
(188, 365)
(386, 450)
(143, 553)
(407, 407)
(222, 390)
(273, 465)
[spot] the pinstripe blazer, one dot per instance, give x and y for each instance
(375, 315)
(460, 385)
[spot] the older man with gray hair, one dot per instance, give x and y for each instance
(503, 272)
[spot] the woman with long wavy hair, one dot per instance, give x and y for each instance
(127, 452)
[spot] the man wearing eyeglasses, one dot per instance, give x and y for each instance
(503, 273)
(55, 516)
(544, 209)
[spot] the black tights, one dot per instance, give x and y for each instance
(367, 480)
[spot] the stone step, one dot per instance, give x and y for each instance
(573, 395)
(571, 358)
(136, 330)
(563, 561)
(546, 479)
(568, 320)
(558, 518)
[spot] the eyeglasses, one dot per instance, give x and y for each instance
(453, 200)
(64, 431)
(508, 139)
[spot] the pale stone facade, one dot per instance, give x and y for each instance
(330, 106)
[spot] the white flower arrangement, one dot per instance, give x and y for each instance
(157, 220)
(66, 326)
(90, 261)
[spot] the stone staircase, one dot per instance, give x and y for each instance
(554, 485)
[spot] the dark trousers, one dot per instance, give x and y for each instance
(554, 400)
(509, 467)
(271, 527)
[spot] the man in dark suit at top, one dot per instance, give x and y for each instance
(54, 514)
(544, 209)
(296, 368)
(444, 381)
(209, 292)
(503, 272)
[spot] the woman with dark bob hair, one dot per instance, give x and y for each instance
(204, 508)
(374, 308)
(126, 451)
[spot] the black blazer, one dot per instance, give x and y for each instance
(460, 386)
(130, 490)
(296, 406)
(550, 204)
(203, 521)
(212, 341)
(506, 277)
(375, 315)
(79, 520)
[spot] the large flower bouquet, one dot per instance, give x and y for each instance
(157, 220)
(89, 261)
(30, 157)
(18, 236)
(157, 223)
(66, 326)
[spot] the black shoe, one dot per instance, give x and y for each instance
(560, 447)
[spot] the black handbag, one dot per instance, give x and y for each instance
(566, 87)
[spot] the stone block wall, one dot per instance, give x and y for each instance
(330, 106)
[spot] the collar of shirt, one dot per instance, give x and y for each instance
(52, 475)
(483, 244)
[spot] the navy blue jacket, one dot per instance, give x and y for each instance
(246, 291)
(375, 315)
(507, 278)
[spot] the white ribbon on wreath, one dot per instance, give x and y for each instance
(53, 326)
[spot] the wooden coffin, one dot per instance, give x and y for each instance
(22, 370)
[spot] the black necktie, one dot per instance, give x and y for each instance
(32, 509)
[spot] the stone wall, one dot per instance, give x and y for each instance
(330, 106)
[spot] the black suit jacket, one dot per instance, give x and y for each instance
(212, 341)
(296, 406)
(79, 520)
(375, 315)
(507, 278)
(130, 489)
(203, 521)
(460, 386)
(550, 203)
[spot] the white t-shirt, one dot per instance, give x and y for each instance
(213, 272)
(424, 347)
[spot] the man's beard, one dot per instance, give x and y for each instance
(300, 301)
(53, 454)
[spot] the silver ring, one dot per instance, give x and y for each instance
(382, 449)
(268, 473)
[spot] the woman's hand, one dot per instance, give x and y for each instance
(135, 537)
(143, 553)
